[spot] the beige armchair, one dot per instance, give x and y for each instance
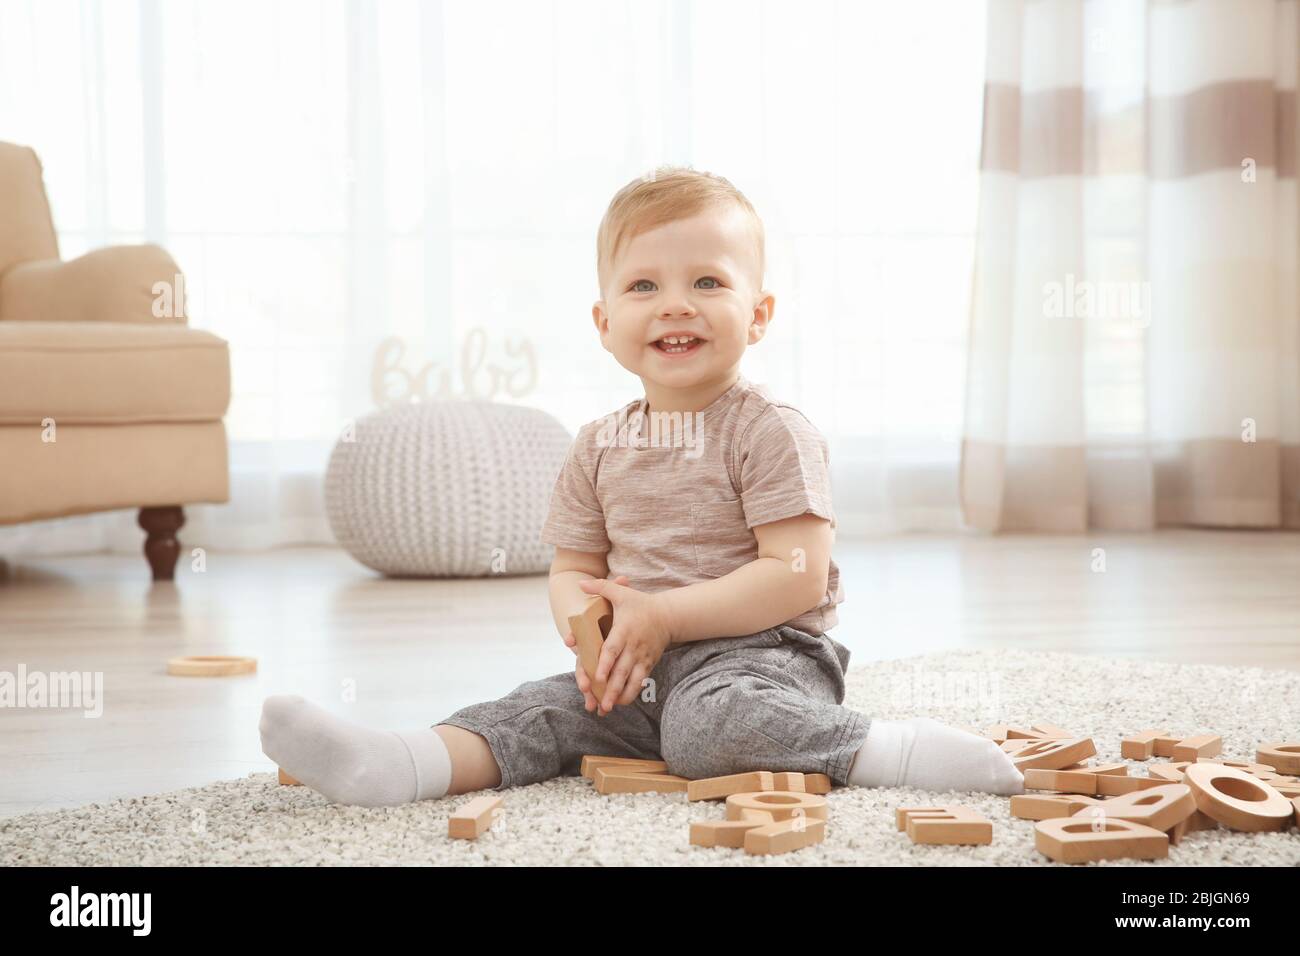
(103, 403)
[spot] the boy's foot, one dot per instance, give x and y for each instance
(928, 755)
(352, 764)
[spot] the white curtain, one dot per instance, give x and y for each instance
(332, 176)
(1135, 348)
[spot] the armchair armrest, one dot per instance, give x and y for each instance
(114, 284)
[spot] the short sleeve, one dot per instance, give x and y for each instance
(784, 468)
(575, 519)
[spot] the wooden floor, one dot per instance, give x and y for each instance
(408, 653)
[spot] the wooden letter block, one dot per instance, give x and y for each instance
(591, 763)
(1196, 748)
(1272, 776)
(1062, 781)
(1053, 754)
(1254, 769)
(1113, 769)
(715, 788)
(1289, 787)
(728, 833)
(590, 627)
(1160, 808)
(818, 783)
(1022, 733)
(1197, 821)
(1236, 799)
(793, 782)
(1140, 746)
(1109, 769)
(1283, 756)
(781, 804)
(784, 836)
(473, 819)
(1164, 744)
(1170, 772)
(1111, 786)
(287, 780)
(1048, 806)
(1001, 733)
(937, 826)
(611, 780)
(1073, 840)
(1051, 732)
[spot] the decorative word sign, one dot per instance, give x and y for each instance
(391, 384)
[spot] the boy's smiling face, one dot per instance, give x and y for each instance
(696, 277)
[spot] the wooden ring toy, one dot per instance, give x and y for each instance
(212, 666)
(1236, 799)
(1283, 756)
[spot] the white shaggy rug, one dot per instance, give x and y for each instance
(254, 821)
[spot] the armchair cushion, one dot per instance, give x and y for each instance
(114, 284)
(110, 373)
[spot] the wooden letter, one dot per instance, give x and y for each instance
(715, 788)
(1140, 746)
(1073, 840)
(590, 627)
(473, 819)
(950, 825)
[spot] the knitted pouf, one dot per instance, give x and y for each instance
(446, 489)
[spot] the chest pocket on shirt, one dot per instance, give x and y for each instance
(722, 541)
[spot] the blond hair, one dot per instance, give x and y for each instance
(668, 194)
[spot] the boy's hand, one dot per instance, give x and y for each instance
(636, 641)
(572, 641)
(579, 675)
(584, 684)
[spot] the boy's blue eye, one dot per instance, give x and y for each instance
(636, 286)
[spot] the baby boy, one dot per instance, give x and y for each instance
(702, 513)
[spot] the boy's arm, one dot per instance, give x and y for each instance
(567, 569)
(788, 577)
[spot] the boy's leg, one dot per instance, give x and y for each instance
(765, 701)
(772, 701)
(350, 763)
(538, 731)
(542, 729)
(472, 765)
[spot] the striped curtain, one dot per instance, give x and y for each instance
(1134, 354)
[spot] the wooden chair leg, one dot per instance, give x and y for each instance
(160, 546)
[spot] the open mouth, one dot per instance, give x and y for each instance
(678, 344)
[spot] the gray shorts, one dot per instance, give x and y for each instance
(765, 701)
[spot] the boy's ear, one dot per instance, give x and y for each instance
(763, 313)
(601, 318)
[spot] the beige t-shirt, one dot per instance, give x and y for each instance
(672, 499)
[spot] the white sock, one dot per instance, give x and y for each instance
(352, 764)
(928, 755)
